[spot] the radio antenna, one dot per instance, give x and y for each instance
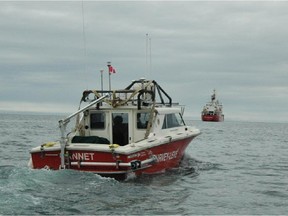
(84, 37)
(148, 56)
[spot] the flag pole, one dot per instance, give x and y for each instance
(109, 65)
(101, 71)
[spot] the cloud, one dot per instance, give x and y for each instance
(239, 48)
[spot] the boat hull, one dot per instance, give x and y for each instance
(213, 118)
(112, 164)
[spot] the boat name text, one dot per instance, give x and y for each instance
(167, 156)
(82, 156)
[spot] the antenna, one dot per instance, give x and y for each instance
(101, 71)
(148, 56)
(84, 36)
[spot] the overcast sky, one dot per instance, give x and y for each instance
(238, 48)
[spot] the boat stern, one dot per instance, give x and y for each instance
(45, 156)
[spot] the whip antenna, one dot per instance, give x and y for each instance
(148, 56)
(84, 37)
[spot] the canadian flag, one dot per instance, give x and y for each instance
(111, 69)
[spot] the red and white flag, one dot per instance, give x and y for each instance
(111, 69)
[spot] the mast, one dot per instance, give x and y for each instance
(109, 65)
(146, 54)
(213, 96)
(101, 71)
(150, 57)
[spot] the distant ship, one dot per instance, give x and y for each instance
(212, 111)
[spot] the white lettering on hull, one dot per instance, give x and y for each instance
(167, 156)
(139, 154)
(82, 156)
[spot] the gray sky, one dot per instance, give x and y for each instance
(238, 48)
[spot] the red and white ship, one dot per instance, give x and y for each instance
(120, 133)
(212, 111)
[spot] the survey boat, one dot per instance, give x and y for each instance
(213, 110)
(120, 133)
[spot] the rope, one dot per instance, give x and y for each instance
(151, 118)
(115, 102)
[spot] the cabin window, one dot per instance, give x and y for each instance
(97, 120)
(172, 120)
(142, 120)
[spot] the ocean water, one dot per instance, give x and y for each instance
(235, 168)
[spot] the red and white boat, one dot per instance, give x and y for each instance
(120, 133)
(212, 111)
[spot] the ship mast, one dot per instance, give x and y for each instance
(213, 96)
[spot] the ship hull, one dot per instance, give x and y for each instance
(213, 118)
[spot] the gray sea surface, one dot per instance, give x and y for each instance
(232, 168)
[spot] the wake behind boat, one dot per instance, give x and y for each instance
(212, 111)
(120, 133)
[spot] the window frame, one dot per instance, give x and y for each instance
(93, 123)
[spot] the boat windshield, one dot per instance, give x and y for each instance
(172, 120)
(142, 120)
